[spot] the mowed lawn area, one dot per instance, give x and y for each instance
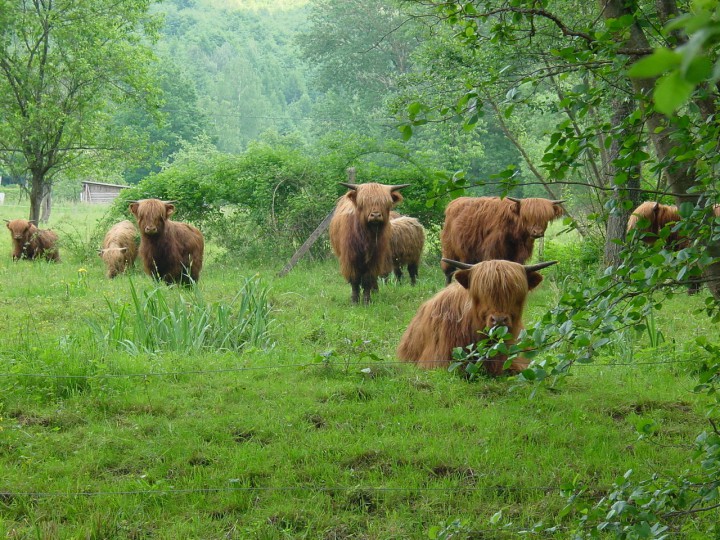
(314, 431)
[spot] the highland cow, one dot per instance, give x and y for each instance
(485, 228)
(360, 234)
(171, 251)
(119, 248)
(657, 216)
(485, 295)
(29, 242)
(407, 238)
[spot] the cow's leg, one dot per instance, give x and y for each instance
(413, 271)
(368, 284)
(355, 297)
(398, 273)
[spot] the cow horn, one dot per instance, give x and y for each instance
(398, 186)
(538, 266)
(458, 264)
(559, 201)
(349, 186)
(513, 199)
(6, 220)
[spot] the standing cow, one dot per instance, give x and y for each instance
(485, 228)
(119, 248)
(485, 295)
(29, 242)
(407, 239)
(171, 251)
(360, 234)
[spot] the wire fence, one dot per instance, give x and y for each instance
(320, 364)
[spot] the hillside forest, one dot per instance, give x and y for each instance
(247, 114)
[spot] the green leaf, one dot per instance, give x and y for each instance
(671, 92)
(659, 62)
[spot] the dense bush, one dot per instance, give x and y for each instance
(267, 201)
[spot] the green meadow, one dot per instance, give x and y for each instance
(300, 423)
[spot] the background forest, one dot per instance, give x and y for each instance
(247, 114)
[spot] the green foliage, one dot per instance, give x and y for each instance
(154, 322)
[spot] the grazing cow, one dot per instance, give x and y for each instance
(360, 234)
(485, 228)
(171, 251)
(486, 295)
(119, 248)
(30, 242)
(407, 238)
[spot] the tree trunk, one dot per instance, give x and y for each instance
(46, 205)
(37, 193)
(618, 217)
(680, 176)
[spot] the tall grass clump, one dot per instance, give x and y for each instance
(155, 322)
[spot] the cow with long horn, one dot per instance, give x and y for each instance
(360, 234)
(485, 228)
(485, 295)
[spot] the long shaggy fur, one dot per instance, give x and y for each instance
(485, 228)
(407, 240)
(29, 242)
(658, 215)
(119, 248)
(491, 293)
(360, 235)
(171, 251)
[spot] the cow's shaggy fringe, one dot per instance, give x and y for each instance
(407, 239)
(119, 248)
(491, 293)
(360, 235)
(29, 242)
(485, 228)
(171, 251)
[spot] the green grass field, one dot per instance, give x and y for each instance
(318, 434)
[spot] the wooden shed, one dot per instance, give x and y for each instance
(99, 193)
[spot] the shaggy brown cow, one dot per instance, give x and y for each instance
(658, 215)
(119, 248)
(407, 238)
(485, 228)
(486, 294)
(170, 250)
(30, 242)
(360, 234)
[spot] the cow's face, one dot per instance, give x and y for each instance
(152, 214)
(21, 229)
(374, 202)
(537, 230)
(499, 318)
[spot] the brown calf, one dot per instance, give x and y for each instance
(29, 242)
(119, 248)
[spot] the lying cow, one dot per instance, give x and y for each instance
(29, 242)
(485, 295)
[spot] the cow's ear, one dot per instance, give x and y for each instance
(133, 208)
(534, 279)
(558, 210)
(396, 197)
(352, 195)
(169, 209)
(463, 277)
